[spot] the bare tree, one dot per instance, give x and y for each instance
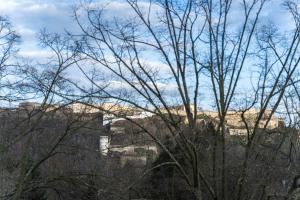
(187, 38)
(8, 40)
(166, 54)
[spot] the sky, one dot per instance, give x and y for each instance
(30, 16)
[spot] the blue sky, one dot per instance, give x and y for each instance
(30, 16)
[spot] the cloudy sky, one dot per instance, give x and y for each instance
(30, 16)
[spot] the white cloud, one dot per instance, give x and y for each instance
(25, 32)
(9, 6)
(41, 7)
(165, 88)
(120, 5)
(30, 16)
(36, 54)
